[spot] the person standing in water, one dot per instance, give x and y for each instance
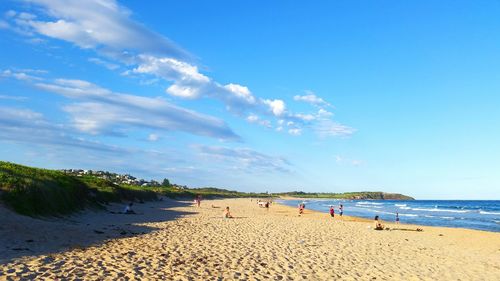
(397, 218)
(341, 209)
(332, 211)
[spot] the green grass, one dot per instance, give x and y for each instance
(33, 191)
(41, 192)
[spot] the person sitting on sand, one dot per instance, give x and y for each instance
(378, 225)
(227, 214)
(128, 210)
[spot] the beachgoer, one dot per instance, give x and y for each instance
(341, 209)
(267, 205)
(227, 214)
(128, 209)
(332, 211)
(378, 225)
(397, 218)
(197, 200)
(301, 209)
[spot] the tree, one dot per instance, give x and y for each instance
(165, 182)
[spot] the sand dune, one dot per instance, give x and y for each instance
(183, 242)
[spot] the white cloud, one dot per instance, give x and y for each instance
(153, 137)
(322, 113)
(170, 69)
(241, 92)
(305, 117)
(107, 112)
(4, 24)
(253, 118)
(18, 75)
(10, 14)
(276, 106)
(245, 159)
(97, 24)
(14, 98)
(107, 64)
(295, 132)
(311, 98)
(27, 126)
(342, 160)
(329, 128)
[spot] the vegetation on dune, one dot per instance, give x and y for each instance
(38, 191)
(33, 191)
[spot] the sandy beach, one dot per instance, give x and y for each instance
(172, 240)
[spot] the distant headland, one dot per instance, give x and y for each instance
(361, 195)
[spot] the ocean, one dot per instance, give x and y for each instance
(473, 214)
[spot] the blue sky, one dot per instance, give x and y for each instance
(330, 96)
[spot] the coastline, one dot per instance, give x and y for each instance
(175, 240)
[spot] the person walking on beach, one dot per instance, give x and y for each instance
(397, 218)
(341, 209)
(197, 200)
(301, 208)
(332, 211)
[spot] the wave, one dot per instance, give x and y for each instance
(447, 218)
(409, 215)
(400, 205)
(405, 208)
(440, 210)
(369, 203)
(489, 213)
(383, 212)
(365, 207)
